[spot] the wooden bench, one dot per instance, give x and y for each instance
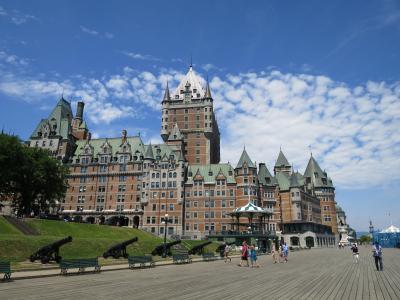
(5, 267)
(79, 263)
(209, 256)
(141, 261)
(181, 259)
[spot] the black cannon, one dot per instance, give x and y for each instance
(50, 252)
(159, 250)
(198, 249)
(119, 250)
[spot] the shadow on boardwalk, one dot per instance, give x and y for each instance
(314, 274)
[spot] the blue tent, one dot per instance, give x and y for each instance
(388, 238)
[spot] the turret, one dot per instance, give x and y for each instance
(282, 164)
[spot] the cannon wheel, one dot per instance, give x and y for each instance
(32, 258)
(45, 259)
(58, 259)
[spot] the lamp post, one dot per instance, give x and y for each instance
(166, 220)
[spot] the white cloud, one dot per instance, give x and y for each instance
(139, 56)
(13, 59)
(93, 32)
(17, 17)
(353, 131)
(89, 31)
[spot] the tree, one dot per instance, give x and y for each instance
(29, 176)
(365, 239)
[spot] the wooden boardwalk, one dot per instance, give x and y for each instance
(309, 274)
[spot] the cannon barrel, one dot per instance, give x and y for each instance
(198, 249)
(160, 248)
(50, 251)
(128, 242)
(119, 250)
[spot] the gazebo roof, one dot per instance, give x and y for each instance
(250, 208)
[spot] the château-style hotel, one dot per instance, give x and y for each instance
(122, 180)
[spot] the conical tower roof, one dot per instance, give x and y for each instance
(149, 152)
(167, 96)
(315, 172)
(282, 160)
(175, 134)
(245, 158)
(208, 91)
(193, 83)
(264, 174)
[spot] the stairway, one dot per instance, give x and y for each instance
(21, 226)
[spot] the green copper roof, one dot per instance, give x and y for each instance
(265, 177)
(294, 182)
(283, 181)
(209, 173)
(244, 158)
(282, 160)
(58, 122)
(149, 152)
(318, 177)
(175, 134)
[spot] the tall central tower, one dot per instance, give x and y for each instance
(190, 108)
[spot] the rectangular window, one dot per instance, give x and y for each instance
(121, 188)
(82, 180)
(122, 178)
(171, 207)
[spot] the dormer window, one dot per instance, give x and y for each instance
(194, 91)
(210, 173)
(105, 150)
(316, 175)
(230, 173)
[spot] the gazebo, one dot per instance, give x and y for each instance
(257, 217)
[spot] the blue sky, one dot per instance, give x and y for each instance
(283, 73)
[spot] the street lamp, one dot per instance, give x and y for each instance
(166, 221)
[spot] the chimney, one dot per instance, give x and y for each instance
(79, 110)
(124, 134)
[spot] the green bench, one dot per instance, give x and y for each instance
(181, 258)
(209, 256)
(79, 263)
(5, 267)
(141, 261)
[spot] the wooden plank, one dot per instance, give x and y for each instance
(315, 274)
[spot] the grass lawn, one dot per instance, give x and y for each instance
(88, 240)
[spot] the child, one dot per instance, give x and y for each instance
(226, 253)
(253, 256)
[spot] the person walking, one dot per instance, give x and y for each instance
(354, 249)
(273, 251)
(377, 253)
(253, 256)
(226, 253)
(285, 251)
(244, 256)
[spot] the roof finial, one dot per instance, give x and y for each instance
(309, 147)
(62, 93)
(191, 61)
